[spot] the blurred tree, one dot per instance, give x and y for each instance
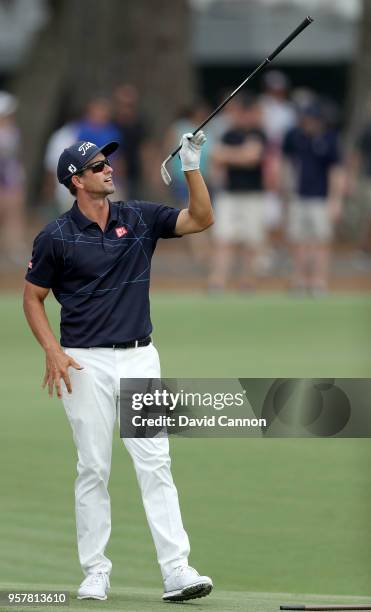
(90, 46)
(360, 80)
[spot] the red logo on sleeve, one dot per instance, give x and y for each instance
(30, 265)
(121, 231)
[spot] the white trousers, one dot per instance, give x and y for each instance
(92, 410)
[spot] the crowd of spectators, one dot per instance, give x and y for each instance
(273, 163)
(12, 211)
(277, 176)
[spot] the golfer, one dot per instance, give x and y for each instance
(96, 259)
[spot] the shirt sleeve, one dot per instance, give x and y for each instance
(225, 138)
(161, 218)
(42, 268)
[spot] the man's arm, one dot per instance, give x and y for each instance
(245, 155)
(56, 361)
(199, 214)
(336, 191)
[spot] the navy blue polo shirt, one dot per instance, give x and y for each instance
(313, 157)
(101, 279)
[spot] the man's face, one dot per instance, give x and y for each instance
(246, 117)
(311, 125)
(99, 111)
(99, 182)
(253, 116)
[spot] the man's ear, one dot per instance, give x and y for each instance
(76, 181)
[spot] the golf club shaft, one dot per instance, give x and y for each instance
(306, 22)
(322, 608)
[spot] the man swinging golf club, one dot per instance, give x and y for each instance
(96, 259)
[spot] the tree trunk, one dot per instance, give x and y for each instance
(88, 47)
(360, 80)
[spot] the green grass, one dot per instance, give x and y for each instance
(263, 336)
(264, 516)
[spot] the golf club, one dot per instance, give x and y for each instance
(329, 607)
(306, 22)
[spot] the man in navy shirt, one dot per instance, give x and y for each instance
(240, 205)
(96, 259)
(312, 150)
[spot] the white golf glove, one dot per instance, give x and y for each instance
(190, 152)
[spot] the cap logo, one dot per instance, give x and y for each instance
(72, 168)
(85, 146)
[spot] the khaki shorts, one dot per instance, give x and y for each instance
(240, 218)
(309, 221)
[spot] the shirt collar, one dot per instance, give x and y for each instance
(84, 222)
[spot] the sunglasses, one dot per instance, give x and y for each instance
(96, 167)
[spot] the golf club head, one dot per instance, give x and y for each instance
(164, 173)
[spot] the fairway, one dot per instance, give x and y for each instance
(270, 335)
(265, 517)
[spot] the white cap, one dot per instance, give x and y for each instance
(8, 103)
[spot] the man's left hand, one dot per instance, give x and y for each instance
(190, 153)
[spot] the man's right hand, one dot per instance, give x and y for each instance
(56, 370)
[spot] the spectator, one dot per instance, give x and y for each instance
(302, 97)
(11, 184)
(55, 194)
(318, 185)
(278, 111)
(239, 208)
(360, 175)
(134, 138)
(279, 116)
(96, 126)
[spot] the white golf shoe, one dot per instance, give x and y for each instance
(185, 583)
(95, 586)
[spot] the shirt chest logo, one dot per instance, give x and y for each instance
(121, 231)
